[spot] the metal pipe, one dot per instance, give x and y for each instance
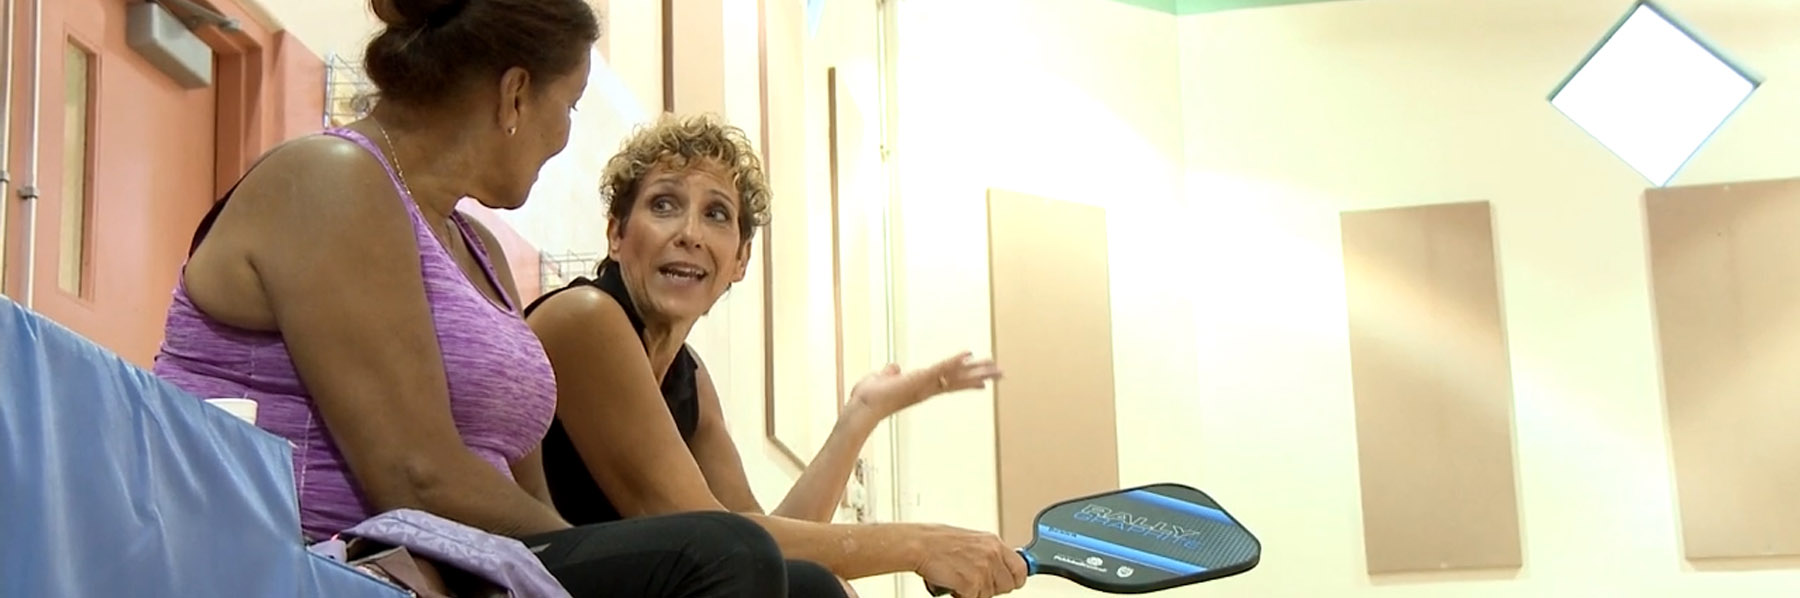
(886, 29)
(29, 192)
(6, 103)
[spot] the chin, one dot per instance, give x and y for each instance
(682, 308)
(510, 203)
(689, 310)
(504, 196)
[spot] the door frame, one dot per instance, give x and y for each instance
(238, 78)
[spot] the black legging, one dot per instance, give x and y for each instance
(806, 579)
(688, 555)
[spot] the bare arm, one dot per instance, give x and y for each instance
(609, 402)
(529, 472)
(717, 455)
(336, 258)
(496, 258)
(815, 495)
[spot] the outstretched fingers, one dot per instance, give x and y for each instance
(965, 372)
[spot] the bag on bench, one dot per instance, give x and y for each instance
(438, 558)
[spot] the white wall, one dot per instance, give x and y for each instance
(328, 27)
(1075, 100)
(1293, 113)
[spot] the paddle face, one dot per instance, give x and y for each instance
(1142, 539)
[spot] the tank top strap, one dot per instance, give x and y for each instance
(611, 279)
(480, 249)
(406, 198)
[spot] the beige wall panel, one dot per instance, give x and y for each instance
(1054, 422)
(1725, 273)
(809, 327)
(694, 38)
(1433, 390)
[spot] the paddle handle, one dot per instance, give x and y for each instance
(1030, 569)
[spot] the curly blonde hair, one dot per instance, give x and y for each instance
(676, 141)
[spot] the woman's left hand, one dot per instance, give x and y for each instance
(890, 390)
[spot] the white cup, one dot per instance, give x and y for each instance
(244, 409)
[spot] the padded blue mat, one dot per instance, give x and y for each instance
(114, 483)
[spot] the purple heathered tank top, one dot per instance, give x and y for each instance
(502, 390)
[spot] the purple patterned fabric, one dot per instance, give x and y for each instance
(504, 561)
(502, 390)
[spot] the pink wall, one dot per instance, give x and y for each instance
(299, 105)
(160, 155)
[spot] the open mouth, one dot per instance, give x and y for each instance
(682, 271)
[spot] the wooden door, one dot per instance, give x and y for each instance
(122, 161)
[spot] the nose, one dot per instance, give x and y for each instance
(689, 233)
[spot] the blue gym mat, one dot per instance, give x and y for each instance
(114, 483)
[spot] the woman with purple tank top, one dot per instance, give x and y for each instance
(379, 331)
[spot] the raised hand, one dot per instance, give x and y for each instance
(890, 390)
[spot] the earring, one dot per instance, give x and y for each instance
(511, 130)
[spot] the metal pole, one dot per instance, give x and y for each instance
(29, 191)
(330, 70)
(6, 103)
(886, 29)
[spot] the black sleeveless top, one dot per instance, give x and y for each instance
(573, 490)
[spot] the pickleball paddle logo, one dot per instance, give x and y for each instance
(1138, 524)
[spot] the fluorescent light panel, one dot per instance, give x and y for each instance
(1652, 93)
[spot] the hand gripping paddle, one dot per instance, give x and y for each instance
(1138, 540)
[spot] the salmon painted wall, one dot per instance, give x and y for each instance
(159, 154)
(299, 105)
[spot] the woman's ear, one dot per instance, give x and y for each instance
(614, 233)
(514, 84)
(743, 260)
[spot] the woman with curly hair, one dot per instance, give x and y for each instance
(639, 430)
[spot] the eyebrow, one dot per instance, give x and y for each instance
(724, 198)
(672, 180)
(663, 179)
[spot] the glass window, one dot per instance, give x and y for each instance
(77, 160)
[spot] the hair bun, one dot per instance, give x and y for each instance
(416, 14)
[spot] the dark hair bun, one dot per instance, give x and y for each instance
(433, 47)
(415, 14)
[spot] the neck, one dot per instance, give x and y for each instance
(662, 340)
(432, 154)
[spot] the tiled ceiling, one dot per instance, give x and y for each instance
(1188, 7)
